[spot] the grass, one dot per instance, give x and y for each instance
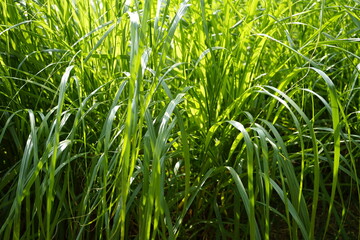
(179, 119)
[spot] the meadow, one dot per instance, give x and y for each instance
(182, 119)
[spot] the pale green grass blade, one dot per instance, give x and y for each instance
(52, 165)
(336, 129)
(250, 171)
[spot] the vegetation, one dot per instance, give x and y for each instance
(179, 119)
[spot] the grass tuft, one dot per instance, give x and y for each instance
(179, 119)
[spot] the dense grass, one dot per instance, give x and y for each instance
(179, 119)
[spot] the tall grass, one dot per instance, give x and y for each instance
(179, 119)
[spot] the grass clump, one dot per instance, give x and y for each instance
(179, 119)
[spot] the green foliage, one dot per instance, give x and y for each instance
(179, 119)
